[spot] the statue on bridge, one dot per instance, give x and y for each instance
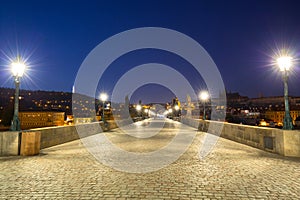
(189, 106)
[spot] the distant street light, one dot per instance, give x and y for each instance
(18, 69)
(103, 98)
(138, 107)
(204, 97)
(285, 64)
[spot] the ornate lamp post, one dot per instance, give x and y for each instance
(103, 98)
(284, 64)
(204, 97)
(18, 69)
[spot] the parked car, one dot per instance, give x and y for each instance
(268, 123)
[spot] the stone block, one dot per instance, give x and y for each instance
(9, 143)
(291, 143)
(279, 144)
(30, 143)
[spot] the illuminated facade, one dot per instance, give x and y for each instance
(278, 116)
(34, 119)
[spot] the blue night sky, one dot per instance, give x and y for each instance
(240, 36)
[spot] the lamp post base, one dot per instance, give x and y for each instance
(15, 124)
(287, 122)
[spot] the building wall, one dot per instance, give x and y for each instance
(278, 116)
(41, 119)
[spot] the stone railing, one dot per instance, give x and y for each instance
(283, 142)
(11, 141)
(51, 136)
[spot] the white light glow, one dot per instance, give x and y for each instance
(103, 96)
(18, 69)
(284, 63)
(170, 110)
(138, 107)
(146, 110)
(176, 107)
(204, 95)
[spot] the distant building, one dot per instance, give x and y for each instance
(236, 98)
(278, 116)
(277, 100)
(33, 119)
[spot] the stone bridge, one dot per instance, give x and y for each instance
(89, 168)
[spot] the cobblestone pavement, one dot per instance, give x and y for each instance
(231, 171)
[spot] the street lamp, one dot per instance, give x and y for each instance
(203, 97)
(285, 63)
(103, 98)
(138, 107)
(18, 69)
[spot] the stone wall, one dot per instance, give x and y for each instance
(283, 142)
(11, 141)
(51, 136)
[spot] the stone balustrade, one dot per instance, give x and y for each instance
(283, 142)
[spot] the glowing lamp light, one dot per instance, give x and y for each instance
(18, 69)
(170, 110)
(138, 107)
(204, 95)
(103, 97)
(284, 63)
(176, 107)
(146, 110)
